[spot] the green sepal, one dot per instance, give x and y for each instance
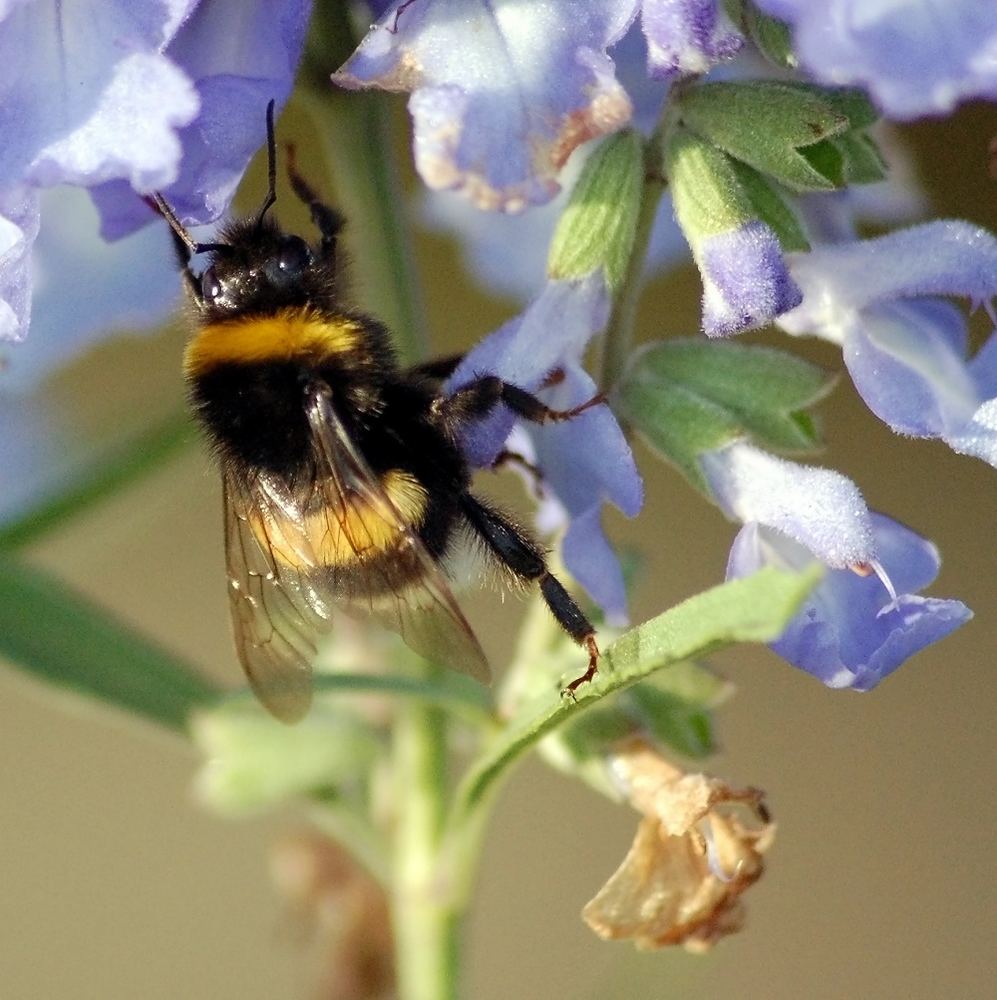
(781, 129)
(713, 193)
(862, 161)
(687, 397)
(60, 638)
(253, 761)
(771, 208)
(753, 609)
(771, 36)
(597, 227)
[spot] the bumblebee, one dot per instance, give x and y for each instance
(344, 482)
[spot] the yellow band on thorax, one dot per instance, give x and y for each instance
(284, 336)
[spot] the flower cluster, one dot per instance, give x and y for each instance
(568, 120)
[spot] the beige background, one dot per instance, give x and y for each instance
(114, 884)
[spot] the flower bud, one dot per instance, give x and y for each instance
(596, 229)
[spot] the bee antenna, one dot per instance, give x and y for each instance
(271, 167)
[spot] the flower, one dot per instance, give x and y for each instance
(905, 349)
(501, 93)
(692, 858)
(686, 37)
(916, 58)
(819, 509)
(745, 280)
(853, 630)
(127, 98)
(585, 460)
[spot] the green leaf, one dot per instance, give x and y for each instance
(771, 37)
(254, 761)
(686, 397)
(862, 162)
(753, 609)
(58, 637)
(781, 129)
(597, 227)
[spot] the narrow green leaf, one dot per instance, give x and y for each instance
(862, 160)
(686, 397)
(781, 129)
(108, 475)
(57, 637)
(754, 609)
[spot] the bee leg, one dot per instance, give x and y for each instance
(506, 457)
(477, 399)
(181, 251)
(328, 221)
(524, 558)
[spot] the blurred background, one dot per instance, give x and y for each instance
(115, 883)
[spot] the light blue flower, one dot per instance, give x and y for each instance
(502, 92)
(906, 350)
(585, 461)
(687, 37)
(746, 282)
(916, 58)
(819, 509)
(852, 631)
(125, 97)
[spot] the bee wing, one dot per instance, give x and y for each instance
(277, 614)
(407, 592)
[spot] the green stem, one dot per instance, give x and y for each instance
(618, 338)
(425, 916)
(352, 129)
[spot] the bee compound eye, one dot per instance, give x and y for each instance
(211, 287)
(294, 255)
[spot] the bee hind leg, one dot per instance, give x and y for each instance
(524, 558)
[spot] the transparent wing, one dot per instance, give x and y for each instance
(406, 591)
(340, 541)
(277, 615)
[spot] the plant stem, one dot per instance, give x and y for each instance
(424, 911)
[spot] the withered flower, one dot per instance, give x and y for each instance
(698, 847)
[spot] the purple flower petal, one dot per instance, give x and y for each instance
(820, 509)
(586, 461)
(239, 54)
(86, 289)
(18, 229)
(745, 280)
(551, 332)
(850, 633)
(944, 257)
(687, 37)
(915, 58)
(501, 93)
(87, 94)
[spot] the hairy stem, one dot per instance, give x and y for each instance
(424, 911)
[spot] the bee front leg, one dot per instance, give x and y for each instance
(477, 399)
(524, 558)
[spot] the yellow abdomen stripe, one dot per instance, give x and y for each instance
(347, 534)
(284, 336)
